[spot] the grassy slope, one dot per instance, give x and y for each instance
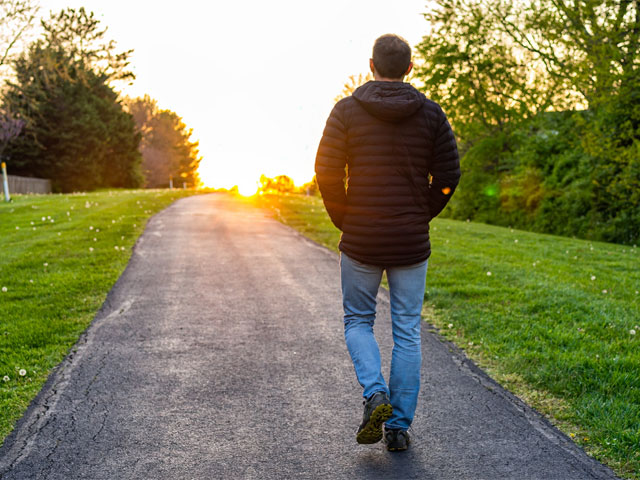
(54, 283)
(553, 321)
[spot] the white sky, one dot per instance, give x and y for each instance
(254, 79)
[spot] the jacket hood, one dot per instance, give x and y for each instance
(389, 101)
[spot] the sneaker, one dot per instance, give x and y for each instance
(377, 410)
(396, 440)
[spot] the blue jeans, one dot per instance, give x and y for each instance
(360, 285)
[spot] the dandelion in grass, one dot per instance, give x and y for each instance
(515, 241)
(17, 228)
(604, 291)
(95, 239)
(450, 325)
(4, 289)
(32, 223)
(116, 247)
(45, 264)
(43, 219)
(90, 227)
(31, 281)
(593, 277)
(91, 249)
(632, 332)
(97, 230)
(5, 378)
(488, 274)
(22, 372)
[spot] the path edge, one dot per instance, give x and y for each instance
(20, 440)
(468, 367)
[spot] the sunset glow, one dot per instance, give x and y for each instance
(247, 188)
(255, 80)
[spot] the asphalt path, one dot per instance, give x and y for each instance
(219, 353)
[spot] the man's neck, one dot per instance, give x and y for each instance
(384, 79)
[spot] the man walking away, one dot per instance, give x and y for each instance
(402, 162)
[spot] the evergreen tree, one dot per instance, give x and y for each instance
(76, 133)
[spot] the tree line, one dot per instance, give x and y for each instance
(62, 118)
(284, 184)
(544, 98)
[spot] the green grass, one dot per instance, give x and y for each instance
(59, 259)
(538, 323)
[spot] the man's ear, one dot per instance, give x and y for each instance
(408, 69)
(373, 69)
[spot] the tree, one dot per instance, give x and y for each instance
(76, 132)
(500, 68)
(278, 184)
(16, 17)
(166, 147)
(352, 84)
(487, 83)
(10, 128)
(311, 187)
(593, 46)
(78, 34)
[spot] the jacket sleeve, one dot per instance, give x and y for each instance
(444, 168)
(331, 161)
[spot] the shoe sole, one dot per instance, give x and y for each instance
(372, 431)
(397, 449)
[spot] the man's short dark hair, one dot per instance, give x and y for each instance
(391, 56)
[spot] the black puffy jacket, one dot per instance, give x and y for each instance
(402, 167)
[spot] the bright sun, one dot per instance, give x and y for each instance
(247, 188)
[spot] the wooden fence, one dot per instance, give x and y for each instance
(27, 185)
